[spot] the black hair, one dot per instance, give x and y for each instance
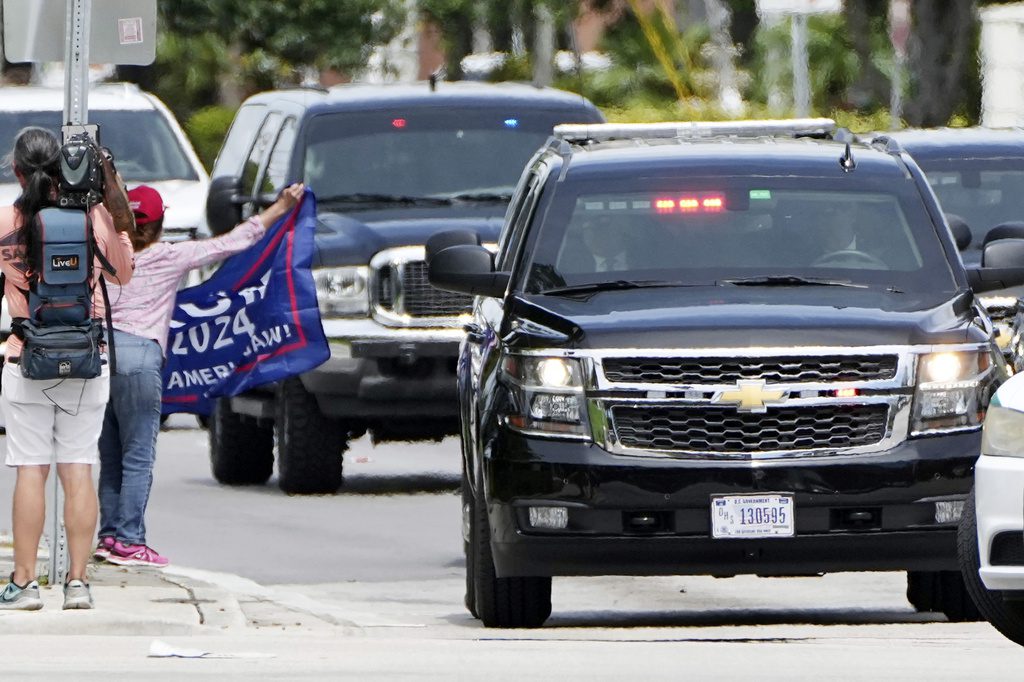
(36, 156)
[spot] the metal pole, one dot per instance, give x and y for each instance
(76, 63)
(801, 74)
(76, 112)
(896, 96)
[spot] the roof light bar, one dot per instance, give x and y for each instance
(604, 132)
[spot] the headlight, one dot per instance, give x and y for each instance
(1003, 433)
(342, 292)
(951, 390)
(547, 395)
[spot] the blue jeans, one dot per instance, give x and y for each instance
(128, 440)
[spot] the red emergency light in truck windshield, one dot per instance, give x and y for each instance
(708, 203)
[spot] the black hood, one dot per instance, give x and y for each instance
(353, 237)
(742, 317)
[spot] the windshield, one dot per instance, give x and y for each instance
(438, 154)
(739, 231)
(984, 193)
(144, 146)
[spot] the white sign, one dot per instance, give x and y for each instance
(799, 6)
(121, 31)
(752, 516)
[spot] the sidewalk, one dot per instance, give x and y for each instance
(129, 601)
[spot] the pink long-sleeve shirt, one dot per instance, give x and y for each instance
(145, 305)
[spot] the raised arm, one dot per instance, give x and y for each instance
(115, 196)
(115, 245)
(196, 254)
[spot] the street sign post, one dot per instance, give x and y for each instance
(798, 11)
(77, 31)
(899, 33)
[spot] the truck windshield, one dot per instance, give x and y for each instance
(764, 231)
(466, 155)
(145, 149)
(985, 193)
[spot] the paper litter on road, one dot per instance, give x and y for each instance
(159, 649)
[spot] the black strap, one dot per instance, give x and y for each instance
(106, 265)
(110, 326)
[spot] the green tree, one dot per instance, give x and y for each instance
(208, 47)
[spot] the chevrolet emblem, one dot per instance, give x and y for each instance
(750, 396)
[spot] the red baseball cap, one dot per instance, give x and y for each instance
(146, 203)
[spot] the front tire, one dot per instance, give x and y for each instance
(1005, 616)
(521, 602)
(943, 592)
(309, 445)
(241, 452)
(467, 532)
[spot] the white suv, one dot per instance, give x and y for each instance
(991, 538)
(149, 146)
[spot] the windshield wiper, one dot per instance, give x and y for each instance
(369, 198)
(791, 281)
(482, 196)
(618, 284)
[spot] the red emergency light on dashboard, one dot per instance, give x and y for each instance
(708, 203)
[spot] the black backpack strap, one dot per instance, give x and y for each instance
(110, 326)
(106, 265)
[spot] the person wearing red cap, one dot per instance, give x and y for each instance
(141, 312)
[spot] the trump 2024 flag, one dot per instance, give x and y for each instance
(255, 321)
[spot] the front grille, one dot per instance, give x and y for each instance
(791, 370)
(423, 300)
(1007, 549)
(728, 432)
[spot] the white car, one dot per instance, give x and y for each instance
(991, 538)
(149, 146)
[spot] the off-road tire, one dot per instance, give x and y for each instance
(943, 592)
(1005, 616)
(467, 513)
(521, 602)
(309, 445)
(241, 451)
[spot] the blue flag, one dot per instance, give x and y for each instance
(255, 321)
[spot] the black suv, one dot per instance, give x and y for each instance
(719, 349)
(977, 175)
(390, 166)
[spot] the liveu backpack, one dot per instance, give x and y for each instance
(60, 338)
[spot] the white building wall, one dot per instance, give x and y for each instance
(1002, 66)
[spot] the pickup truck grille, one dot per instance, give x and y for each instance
(402, 295)
(423, 300)
(791, 370)
(724, 431)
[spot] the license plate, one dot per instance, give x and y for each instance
(768, 515)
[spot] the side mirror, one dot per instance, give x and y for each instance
(440, 241)
(1002, 266)
(961, 231)
(1008, 230)
(467, 269)
(223, 210)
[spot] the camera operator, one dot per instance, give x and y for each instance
(46, 418)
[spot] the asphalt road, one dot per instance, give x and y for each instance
(397, 519)
(369, 583)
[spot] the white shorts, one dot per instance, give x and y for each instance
(56, 416)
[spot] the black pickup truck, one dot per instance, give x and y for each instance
(720, 349)
(390, 165)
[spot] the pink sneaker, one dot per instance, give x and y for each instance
(135, 555)
(104, 546)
